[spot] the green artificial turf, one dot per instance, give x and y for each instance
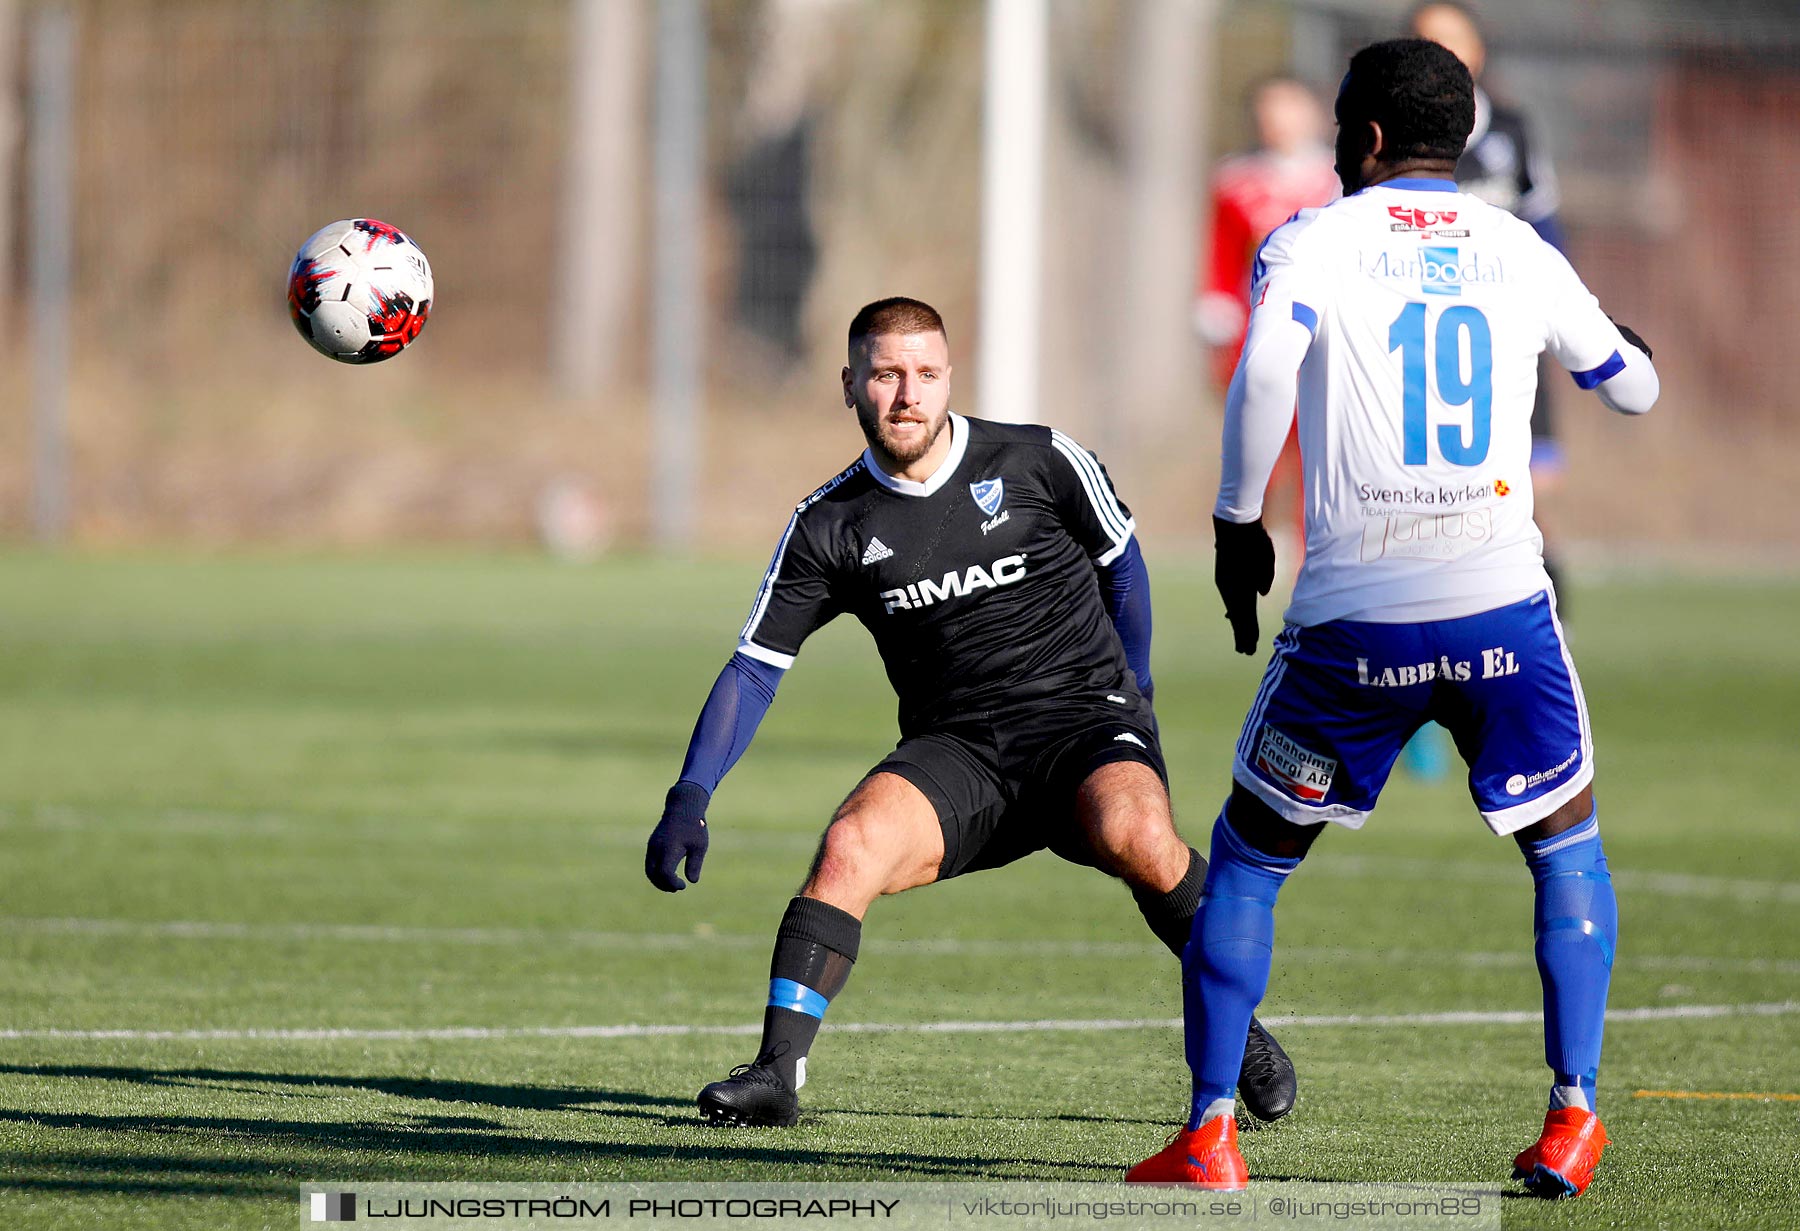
(410, 793)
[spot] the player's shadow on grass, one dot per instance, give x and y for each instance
(616, 1103)
(431, 1153)
(426, 1139)
(1032, 1116)
(671, 1112)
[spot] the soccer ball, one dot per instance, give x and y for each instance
(359, 291)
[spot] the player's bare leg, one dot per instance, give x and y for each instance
(1565, 818)
(884, 838)
(1123, 811)
(1576, 924)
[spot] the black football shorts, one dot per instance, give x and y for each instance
(1004, 788)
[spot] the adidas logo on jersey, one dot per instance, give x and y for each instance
(877, 550)
(1002, 572)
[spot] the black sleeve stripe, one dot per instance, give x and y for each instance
(1099, 491)
(767, 590)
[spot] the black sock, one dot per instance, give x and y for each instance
(1171, 915)
(815, 947)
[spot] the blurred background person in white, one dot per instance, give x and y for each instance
(1506, 163)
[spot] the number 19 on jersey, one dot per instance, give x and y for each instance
(1461, 342)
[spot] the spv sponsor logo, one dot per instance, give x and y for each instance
(1006, 571)
(1407, 218)
(1421, 219)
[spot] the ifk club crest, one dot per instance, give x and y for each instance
(988, 494)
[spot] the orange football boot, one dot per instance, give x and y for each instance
(1561, 1162)
(1206, 1157)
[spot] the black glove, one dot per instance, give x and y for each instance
(1630, 335)
(1243, 567)
(681, 834)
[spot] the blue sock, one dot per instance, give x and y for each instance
(1225, 968)
(1576, 924)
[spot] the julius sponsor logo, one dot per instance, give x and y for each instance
(1518, 784)
(1306, 775)
(1425, 536)
(1006, 571)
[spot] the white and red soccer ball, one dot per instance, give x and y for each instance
(359, 291)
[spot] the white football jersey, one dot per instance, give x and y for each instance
(1428, 309)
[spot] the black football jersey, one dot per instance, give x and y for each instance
(978, 585)
(1505, 165)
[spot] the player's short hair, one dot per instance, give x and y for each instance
(897, 314)
(1420, 94)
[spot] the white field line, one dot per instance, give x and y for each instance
(202, 930)
(1339, 865)
(177, 929)
(201, 823)
(1519, 1017)
(1351, 866)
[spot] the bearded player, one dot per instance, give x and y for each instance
(1407, 319)
(1001, 580)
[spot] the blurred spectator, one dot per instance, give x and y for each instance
(573, 520)
(1254, 193)
(768, 183)
(766, 187)
(1506, 164)
(1290, 170)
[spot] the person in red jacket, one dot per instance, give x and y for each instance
(1253, 194)
(1290, 170)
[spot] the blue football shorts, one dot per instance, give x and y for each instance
(1339, 700)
